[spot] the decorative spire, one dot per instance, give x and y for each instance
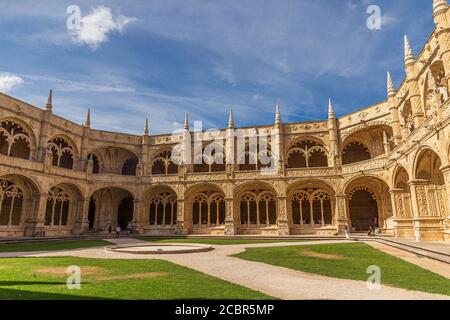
(409, 55)
(146, 127)
(439, 5)
(277, 114)
(49, 104)
(87, 124)
(186, 121)
(230, 120)
(390, 85)
(330, 109)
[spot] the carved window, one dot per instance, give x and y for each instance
(164, 165)
(62, 153)
(14, 140)
(307, 154)
(258, 208)
(208, 209)
(163, 210)
(311, 208)
(58, 205)
(11, 201)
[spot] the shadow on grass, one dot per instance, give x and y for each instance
(13, 294)
(27, 283)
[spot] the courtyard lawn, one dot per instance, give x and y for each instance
(51, 245)
(218, 241)
(350, 261)
(45, 278)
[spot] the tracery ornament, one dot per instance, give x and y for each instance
(303, 204)
(11, 198)
(13, 135)
(163, 164)
(374, 197)
(311, 153)
(258, 208)
(63, 153)
(58, 205)
(208, 209)
(163, 209)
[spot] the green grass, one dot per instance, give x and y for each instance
(352, 263)
(45, 279)
(51, 245)
(216, 241)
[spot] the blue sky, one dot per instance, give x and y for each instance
(161, 58)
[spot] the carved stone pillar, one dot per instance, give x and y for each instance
(403, 227)
(182, 226)
(82, 221)
(35, 225)
(138, 218)
(341, 212)
(282, 221)
(427, 224)
(230, 228)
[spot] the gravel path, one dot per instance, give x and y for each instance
(275, 281)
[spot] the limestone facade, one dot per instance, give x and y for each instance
(388, 163)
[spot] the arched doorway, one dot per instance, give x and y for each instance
(110, 207)
(91, 214)
(363, 209)
(368, 204)
(125, 212)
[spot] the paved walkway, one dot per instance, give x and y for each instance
(426, 263)
(275, 281)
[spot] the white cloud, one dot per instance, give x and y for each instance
(98, 25)
(8, 81)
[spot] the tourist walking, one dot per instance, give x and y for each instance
(118, 229)
(347, 232)
(370, 233)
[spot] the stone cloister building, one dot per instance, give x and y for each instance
(389, 163)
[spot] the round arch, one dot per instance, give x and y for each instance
(18, 202)
(113, 206)
(368, 202)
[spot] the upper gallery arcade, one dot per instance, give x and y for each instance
(388, 164)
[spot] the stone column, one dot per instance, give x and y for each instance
(36, 223)
(182, 227)
(403, 227)
(282, 221)
(138, 223)
(82, 222)
(230, 228)
(446, 173)
(341, 212)
(427, 225)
